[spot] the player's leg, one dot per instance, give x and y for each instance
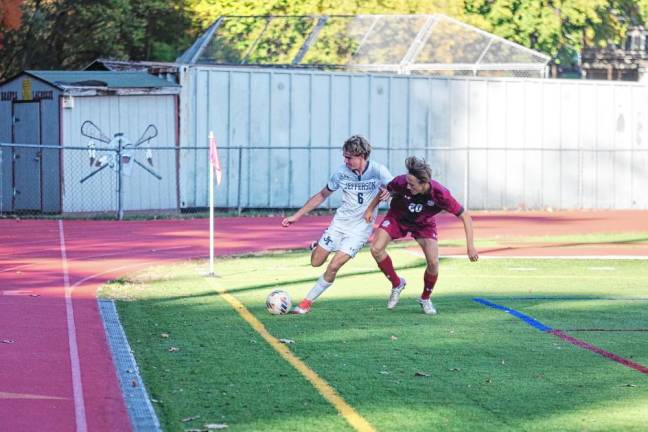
(319, 255)
(382, 237)
(430, 249)
(329, 242)
(323, 283)
(379, 245)
(346, 242)
(339, 259)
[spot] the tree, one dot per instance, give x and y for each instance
(282, 38)
(206, 11)
(561, 28)
(69, 34)
(59, 34)
(10, 17)
(10, 14)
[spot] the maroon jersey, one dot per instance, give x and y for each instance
(419, 210)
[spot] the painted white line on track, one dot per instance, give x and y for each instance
(14, 268)
(103, 255)
(16, 292)
(79, 405)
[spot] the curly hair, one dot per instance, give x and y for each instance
(357, 145)
(419, 169)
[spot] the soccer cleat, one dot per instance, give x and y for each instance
(395, 294)
(302, 308)
(427, 306)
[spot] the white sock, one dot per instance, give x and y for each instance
(320, 286)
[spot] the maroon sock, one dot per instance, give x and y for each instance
(429, 281)
(387, 268)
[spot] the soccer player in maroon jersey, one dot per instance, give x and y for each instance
(416, 198)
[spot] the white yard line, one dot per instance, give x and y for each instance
(567, 257)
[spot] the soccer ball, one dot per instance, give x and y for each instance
(278, 302)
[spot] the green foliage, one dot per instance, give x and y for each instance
(69, 34)
(560, 28)
(206, 11)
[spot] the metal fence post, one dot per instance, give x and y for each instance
(466, 178)
(580, 177)
(1, 180)
(238, 188)
(120, 210)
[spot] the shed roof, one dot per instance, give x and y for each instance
(104, 79)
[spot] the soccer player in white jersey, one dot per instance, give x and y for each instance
(360, 181)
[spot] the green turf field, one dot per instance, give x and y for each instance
(470, 368)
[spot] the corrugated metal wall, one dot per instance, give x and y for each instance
(499, 143)
(129, 115)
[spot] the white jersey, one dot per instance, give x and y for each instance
(357, 192)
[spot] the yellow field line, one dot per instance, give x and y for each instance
(328, 392)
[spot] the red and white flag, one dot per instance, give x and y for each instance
(213, 158)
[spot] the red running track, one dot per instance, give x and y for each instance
(56, 371)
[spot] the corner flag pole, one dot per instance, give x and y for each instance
(214, 168)
(211, 207)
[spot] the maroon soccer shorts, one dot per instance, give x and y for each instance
(397, 230)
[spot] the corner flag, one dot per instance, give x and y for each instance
(213, 158)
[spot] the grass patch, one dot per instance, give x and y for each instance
(478, 368)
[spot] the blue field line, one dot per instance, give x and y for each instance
(527, 319)
(565, 337)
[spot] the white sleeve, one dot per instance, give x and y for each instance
(385, 175)
(334, 182)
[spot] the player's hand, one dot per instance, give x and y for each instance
(288, 221)
(384, 194)
(368, 215)
(472, 253)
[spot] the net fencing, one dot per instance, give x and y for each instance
(405, 44)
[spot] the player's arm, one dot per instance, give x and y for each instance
(310, 205)
(368, 214)
(468, 228)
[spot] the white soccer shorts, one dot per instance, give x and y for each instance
(350, 243)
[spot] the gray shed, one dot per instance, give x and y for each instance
(88, 115)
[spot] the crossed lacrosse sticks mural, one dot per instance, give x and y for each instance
(120, 146)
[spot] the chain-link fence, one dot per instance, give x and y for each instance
(91, 181)
(88, 181)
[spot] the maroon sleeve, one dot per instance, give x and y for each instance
(398, 185)
(444, 199)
